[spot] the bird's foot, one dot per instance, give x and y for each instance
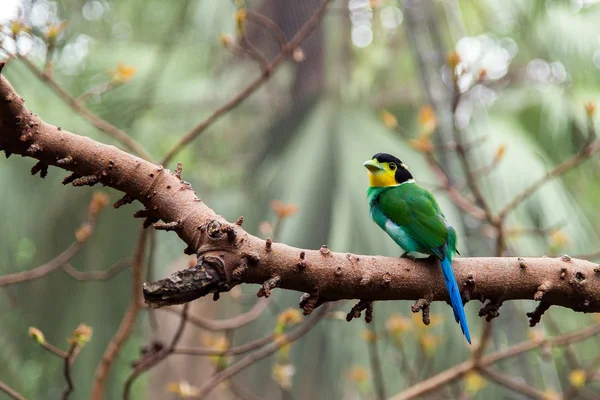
(429, 258)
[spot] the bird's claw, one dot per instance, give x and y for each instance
(408, 256)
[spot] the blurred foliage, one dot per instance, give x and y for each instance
(164, 68)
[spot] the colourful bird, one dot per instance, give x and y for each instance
(412, 218)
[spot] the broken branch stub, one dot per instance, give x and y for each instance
(207, 276)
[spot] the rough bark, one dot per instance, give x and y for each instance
(227, 255)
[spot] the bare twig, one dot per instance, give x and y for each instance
(53, 349)
(68, 360)
(96, 90)
(57, 262)
(289, 47)
(467, 147)
(457, 198)
(486, 335)
(375, 360)
(460, 370)
(12, 393)
(572, 391)
(236, 350)
(95, 120)
(268, 24)
(226, 324)
(588, 151)
(250, 359)
(44, 269)
(110, 273)
(253, 52)
(241, 392)
(512, 384)
(544, 231)
(465, 161)
(154, 359)
(126, 326)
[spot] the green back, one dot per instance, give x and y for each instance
(416, 211)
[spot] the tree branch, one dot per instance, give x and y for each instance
(512, 384)
(586, 152)
(258, 355)
(127, 323)
(226, 324)
(78, 107)
(82, 235)
(157, 357)
(110, 273)
(267, 71)
(459, 370)
(228, 256)
(10, 392)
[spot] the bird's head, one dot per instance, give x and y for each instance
(386, 170)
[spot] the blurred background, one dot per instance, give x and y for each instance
(373, 77)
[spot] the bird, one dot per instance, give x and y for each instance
(411, 216)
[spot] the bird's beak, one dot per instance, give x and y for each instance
(372, 165)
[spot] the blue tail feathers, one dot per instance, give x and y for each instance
(455, 299)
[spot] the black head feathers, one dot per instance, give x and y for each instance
(402, 173)
(384, 157)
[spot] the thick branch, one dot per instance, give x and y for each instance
(229, 256)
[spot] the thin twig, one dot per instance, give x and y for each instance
(67, 370)
(570, 356)
(241, 391)
(573, 390)
(44, 269)
(102, 88)
(98, 122)
(480, 172)
(375, 360)
(290, 46)
(110, 273)
(268, 24)
(159, 356)
(127, 324)
(254, 53)
(405, 366)
(258, 355)
(236, 350)
(535, 231)
(460, 370)
(485, 337)
(225, 324)
(54, 264)
(466, 162)
(587, 152)
(469, 146)
(12, 393)
(512, 384)
(457, 198)
(48, 62)
(53, 349)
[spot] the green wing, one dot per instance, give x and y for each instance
(417, 212)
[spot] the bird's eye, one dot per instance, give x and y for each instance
(392, 166)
